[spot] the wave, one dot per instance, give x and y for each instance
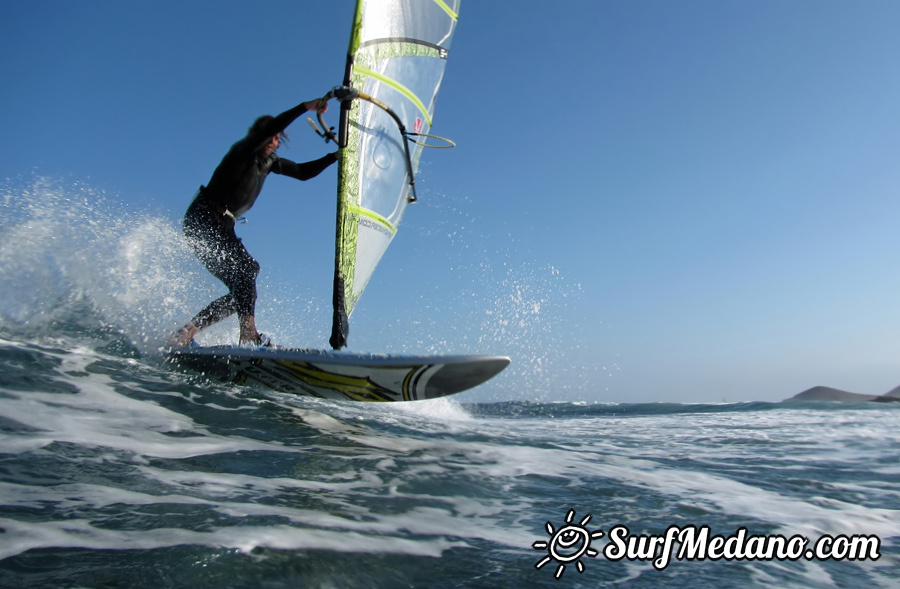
(105, 451)
(568, 410)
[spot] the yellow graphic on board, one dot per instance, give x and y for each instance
(354, 387)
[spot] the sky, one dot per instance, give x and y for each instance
(690, 201)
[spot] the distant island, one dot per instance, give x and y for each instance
(839, 396)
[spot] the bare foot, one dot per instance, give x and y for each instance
(183, 336)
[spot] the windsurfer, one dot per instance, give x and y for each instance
(231, 192)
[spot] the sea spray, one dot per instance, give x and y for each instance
(71, 255)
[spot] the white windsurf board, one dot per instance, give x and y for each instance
(341, 375)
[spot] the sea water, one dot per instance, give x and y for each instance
(117, 471)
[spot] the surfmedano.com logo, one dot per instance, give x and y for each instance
(567, 544)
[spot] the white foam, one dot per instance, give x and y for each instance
(99, 416)
(72, 533)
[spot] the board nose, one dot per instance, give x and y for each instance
(455, 378)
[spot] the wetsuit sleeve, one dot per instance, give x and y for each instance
(286, 118)
(303, 171)
(276, 125)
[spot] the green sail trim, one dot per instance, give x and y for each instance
(447, 9)
(375, 217)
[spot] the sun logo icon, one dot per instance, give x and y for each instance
(567, 544)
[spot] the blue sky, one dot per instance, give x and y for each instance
(649, 201)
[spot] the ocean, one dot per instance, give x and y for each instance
(118, 471)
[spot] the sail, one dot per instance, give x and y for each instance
(398, 50)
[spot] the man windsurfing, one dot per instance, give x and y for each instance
(231, 192)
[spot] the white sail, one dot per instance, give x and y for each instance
(398, 50)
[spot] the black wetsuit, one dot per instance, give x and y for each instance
(231, 192)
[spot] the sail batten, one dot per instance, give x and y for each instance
(397, 53)
(399, 88)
